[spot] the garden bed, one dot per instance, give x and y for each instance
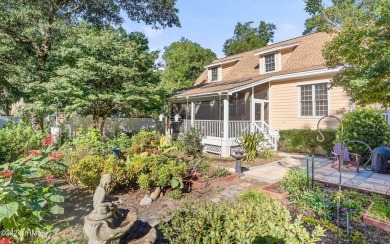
(211, 177)
(369, 219)
(275, 191)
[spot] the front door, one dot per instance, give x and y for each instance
(260, 112)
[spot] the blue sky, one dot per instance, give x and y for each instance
(211, 22)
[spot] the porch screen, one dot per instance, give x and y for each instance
(239, 106)
(209, 110)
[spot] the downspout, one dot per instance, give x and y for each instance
(219, 118)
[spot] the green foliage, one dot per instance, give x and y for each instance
(365, 125)
(254, 218)
(247, 38)
(185, 61)
(87, 172)
(250, 142)
(295, 180)
(90, 140)
(192, 142)
(155, 170)
(33, 30)
(305, 140)
(145, 141)
(213, 173)
(360, 47)
(381, 209)
(175, 194)
(16, 140)
(26, 200)
(267, 153)
(107, 71)
(121, 141)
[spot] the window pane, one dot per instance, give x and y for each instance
(307, 108)
(269, 62)
(321, 99)
(306, 100)
(214, 74)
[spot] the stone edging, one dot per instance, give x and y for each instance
(276, 195)
(220, 181)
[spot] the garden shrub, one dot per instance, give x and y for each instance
(87, 172)
(17, 140)
(253, 218)
(27, 198)
(145, 141)
(93, 139)
(121, 141)
(156, 170)
(305, 140)
(250, 142)
(365, 125)
(192, 142)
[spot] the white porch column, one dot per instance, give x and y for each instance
(225, 148)
(192, 114)
(252, 110)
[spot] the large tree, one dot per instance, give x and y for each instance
(247, 38)
(184, 62)
(105, 72)
(38, 26)
(361, 48)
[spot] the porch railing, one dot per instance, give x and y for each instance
(212, 128)
(238, 127)
(271, 135)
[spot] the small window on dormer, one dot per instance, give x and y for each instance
(269, 63)
(214, 74)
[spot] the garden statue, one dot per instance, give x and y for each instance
(103, 224)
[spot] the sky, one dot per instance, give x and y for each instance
(211, 22)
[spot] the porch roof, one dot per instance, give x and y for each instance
(239, 84)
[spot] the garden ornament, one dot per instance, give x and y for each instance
(103, 224)
(238, 155)
(343, 145)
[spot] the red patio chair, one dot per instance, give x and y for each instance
(346, 160)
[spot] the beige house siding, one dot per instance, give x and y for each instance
(284, 105)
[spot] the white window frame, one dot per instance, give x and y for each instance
(314, 115)
(265, 66)
(219, 73)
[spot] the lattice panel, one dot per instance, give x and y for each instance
(212, 148)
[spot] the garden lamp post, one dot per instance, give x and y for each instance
(343, 145)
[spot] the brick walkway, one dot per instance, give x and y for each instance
(365, 180)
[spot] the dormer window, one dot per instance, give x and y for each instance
(269, 63)
(214, 74)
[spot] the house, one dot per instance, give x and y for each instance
(280, 86)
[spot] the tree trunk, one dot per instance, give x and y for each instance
(102, 124)
(95, 120)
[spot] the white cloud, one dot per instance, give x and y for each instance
(152, 33)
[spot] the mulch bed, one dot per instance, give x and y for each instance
(216, 160)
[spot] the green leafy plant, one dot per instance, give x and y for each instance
(267, 154)
(91, 139)
(250, 142)
(253, 218)
(16, 140)
(121, 140)
(27, 198)
(192, 142)
(156, 171)
(145, 141)
(87, 172)
(305, 140)
(365, 125)
(381, 208)
(295, 180)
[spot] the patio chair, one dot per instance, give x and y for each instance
(346, 160)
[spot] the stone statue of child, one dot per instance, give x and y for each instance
(102, 208)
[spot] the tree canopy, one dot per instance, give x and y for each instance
(247, 38)
(360, 47)
(104, 72)
(33, 29)
(184, 62)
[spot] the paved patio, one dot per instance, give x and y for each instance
(365, 180)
